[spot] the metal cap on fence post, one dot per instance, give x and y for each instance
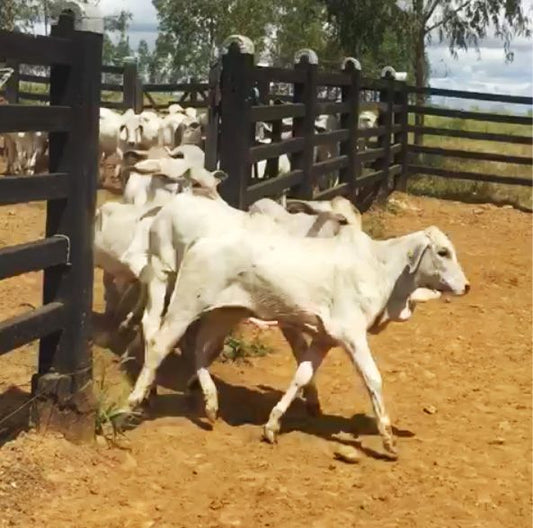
(236, 124)
(349, 121)
(305, 92)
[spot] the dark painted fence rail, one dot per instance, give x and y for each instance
(415, 167)
(62, 387)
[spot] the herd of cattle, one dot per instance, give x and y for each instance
(195, 267)
(26, 153)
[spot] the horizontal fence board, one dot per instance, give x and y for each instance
(113, 104)
(484, 156)
(340, 190)
(38, 79)
(176, 87)
(369, 179)
(373, 84)
(472, 176)
(283, 75)
(394, 170)
(370, 154)
(329, 165)
(27, 327)
(277, 112)
(274, 150)
(113, 69)
(21, 189)
(480, 96)
(335, 136)
(477, 116)
(333, 79)
(41, 50)
(467, 134)
(378, 131)
(273, 186)
(35, 96)
(110, 87)
(24, 118)
(33, 256)
(333, 108)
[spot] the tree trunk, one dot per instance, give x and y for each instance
(420, 80)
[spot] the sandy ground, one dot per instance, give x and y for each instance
(465, 463)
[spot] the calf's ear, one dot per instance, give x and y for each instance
(415, 254)
(220, 176)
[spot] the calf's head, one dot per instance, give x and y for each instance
(434, 263)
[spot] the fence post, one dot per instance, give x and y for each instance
(350, 121)
(63, 385)
(213, 118)
(236, 127)
(401, 118)
(129, 83)
(385, 119)
(12, 84)
(305, 60)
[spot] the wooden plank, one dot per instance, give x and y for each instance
(25, 328)
(378, 131)
(276, 112)
(484, 156)
(109, 87)
(333, 108)
(477, 116)
(373, 84)
(176, 87)
(24, 118)
(371, 154)
(274, 150)
(29, 49)
(22, 189)
(33, 256)
(39, 79)
(473, 176)
(371, 179)
(113, 69)
(480, 96)
(34, 96)
(333, 79)
(335, 136)
(273, 186)
(113, 105)
(343, 189)
(282, 75)
(330, 165)
(468, 134)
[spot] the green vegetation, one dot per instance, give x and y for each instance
(238, 349)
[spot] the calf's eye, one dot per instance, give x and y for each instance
(443, 252)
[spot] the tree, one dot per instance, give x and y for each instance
(146, 62)
(190, 31)
(116, 24)
(373, 32)
(463, 24)
(302, 24)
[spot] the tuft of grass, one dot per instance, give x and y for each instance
(237, 349)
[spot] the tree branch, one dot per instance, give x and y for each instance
(448, 17)
(431, 10)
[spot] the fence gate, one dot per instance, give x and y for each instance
(62, 387)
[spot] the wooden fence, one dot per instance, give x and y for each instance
(62, 388)
(416, 149)
(235, 114)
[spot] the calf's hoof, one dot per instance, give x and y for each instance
(270, 434)
(391, 450)
(211, 414)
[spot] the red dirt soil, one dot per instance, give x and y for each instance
(465, 463)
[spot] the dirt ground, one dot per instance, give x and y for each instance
(457, 381)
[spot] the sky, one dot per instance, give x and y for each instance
(483, 71)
